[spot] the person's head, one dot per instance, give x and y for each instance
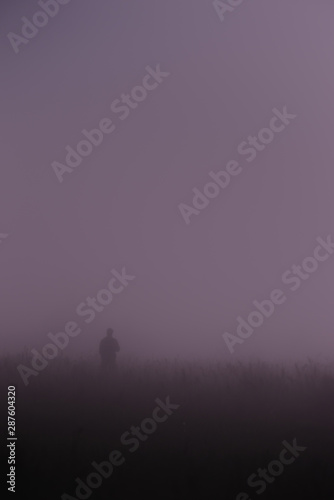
(110, 332)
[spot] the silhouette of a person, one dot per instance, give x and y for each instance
(109, 347)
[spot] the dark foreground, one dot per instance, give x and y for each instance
(206, 431)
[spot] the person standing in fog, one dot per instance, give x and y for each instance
(109, 347)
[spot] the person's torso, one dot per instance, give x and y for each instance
(109, 347)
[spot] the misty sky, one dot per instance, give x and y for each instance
(119, 207)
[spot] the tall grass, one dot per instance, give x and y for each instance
(232, 419)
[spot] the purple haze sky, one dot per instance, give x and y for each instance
(119, 208)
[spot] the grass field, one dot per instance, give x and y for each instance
(231, 420)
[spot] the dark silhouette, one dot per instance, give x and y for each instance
(109, 347)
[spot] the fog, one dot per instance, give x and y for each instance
(120, 207)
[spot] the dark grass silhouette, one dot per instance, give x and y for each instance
(232, 420)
